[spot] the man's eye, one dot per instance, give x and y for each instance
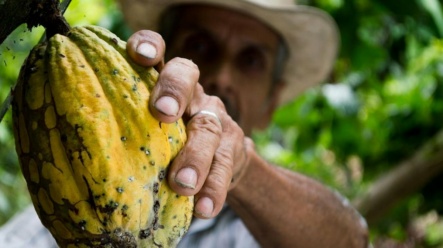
(197, 47)
(252, 59)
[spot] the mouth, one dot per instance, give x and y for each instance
(232, 110)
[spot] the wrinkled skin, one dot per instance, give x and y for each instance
(235, 58)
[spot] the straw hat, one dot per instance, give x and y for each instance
(310, 34)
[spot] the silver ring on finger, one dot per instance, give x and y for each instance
(210, 113)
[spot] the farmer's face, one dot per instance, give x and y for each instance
(236, 55)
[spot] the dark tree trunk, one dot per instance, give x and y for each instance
(405, 179)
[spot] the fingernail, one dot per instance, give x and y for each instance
(186, 178)
(147, 50)
(205, 207)
(167, 105)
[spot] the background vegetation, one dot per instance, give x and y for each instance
(382, 105)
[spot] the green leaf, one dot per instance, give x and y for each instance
(435, 10)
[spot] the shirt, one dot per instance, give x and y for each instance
(25, 230)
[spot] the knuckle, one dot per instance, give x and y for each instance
(217, 182)
(224, 158)
(232, 130)
(146, 35)
(172, 83)
(184, 68)
(180, 74)
(249, 144)
(217, 102)
(198, 151)
(206, 124)
(185, 62)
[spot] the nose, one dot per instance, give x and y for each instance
(219, 80)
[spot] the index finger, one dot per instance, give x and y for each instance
(174, 90)
(146, 48)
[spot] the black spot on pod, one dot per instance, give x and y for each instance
(156, 206)
(161, 175)
(155, 223)
(124, 209)
(144, 234)
(109, 208)
(82, 225)
(155, 188)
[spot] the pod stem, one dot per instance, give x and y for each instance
(47, 13)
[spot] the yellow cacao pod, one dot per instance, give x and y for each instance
(93, 157)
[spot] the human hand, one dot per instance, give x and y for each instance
(215, 155)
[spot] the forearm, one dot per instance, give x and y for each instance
(285, 209)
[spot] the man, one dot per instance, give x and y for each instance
(253, 56)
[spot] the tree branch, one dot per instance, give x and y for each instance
(14, 13)
(405, 179)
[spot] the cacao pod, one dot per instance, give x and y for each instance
(93, 157)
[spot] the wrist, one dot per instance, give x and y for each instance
(250, 177)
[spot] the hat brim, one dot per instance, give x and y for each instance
(310, 34)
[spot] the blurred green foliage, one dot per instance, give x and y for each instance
(383, 101)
